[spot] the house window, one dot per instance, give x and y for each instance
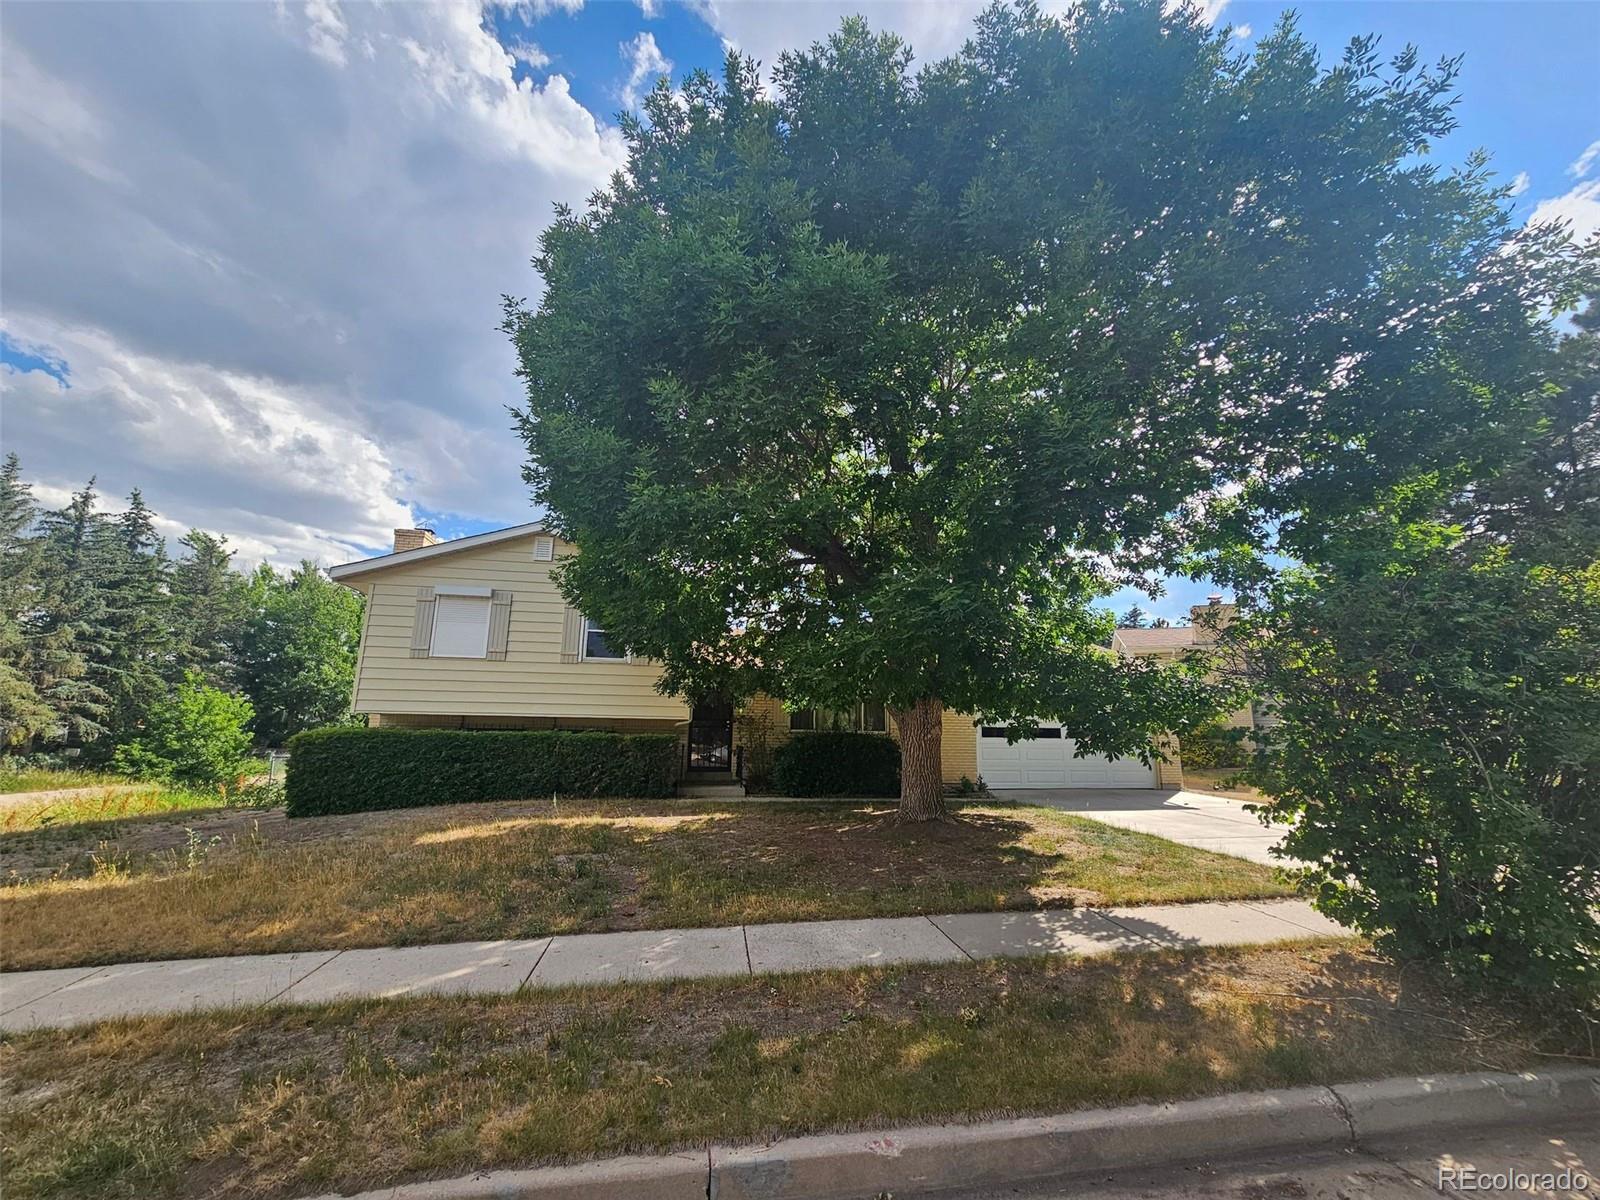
(594, 642)
(544, 549)
(859, 718)
(460, 627)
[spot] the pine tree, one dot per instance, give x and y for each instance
(209, 609)
(24, 715)
(132, 572)
(66, 633)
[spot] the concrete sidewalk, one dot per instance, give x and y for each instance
(1198, 819)
(79, 995)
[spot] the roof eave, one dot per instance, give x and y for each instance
(402, 558)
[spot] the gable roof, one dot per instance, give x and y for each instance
(1153, 641)
(401, 557)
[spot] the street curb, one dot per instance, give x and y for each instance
(1000, 1152)
(680, 1176)
(1398, 1106)
(929, 1158)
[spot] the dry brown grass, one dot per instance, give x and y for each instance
(272, 1103)
(237, 883)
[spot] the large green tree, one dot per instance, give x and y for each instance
(1436, 747)
(298, 651)
(868, 388)
(209, 607)
(24, 714)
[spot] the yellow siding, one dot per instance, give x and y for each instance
(1169, 770)
(531, 682)
(958, 743)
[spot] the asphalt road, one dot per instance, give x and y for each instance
(1563, 1163)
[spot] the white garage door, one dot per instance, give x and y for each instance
(1046, 761)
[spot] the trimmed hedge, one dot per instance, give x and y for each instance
(837, 764)
(345, 770)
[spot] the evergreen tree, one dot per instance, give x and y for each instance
(1134, 618)
(65, 633)
(24, 714)
(132, 572)
(209, 609)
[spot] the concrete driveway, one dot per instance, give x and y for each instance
(1196, 819)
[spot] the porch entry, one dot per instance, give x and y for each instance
(711, 736)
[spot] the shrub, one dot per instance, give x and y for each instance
(197, 736)
(837, 764)
(342, 770)
(1438, 758)
(1215, 746)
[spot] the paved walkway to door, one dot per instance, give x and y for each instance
(1197, 819)
(80, 995)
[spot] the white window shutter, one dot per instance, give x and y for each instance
(571, 635)
(422, 623)
(544, 549)
(499, 624)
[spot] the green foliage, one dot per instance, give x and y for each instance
(755, 736)
(24, 713)
(198, 736)
(837, 764)
(210, 604)
(98, 626)
(869, 388)
(1437, 674)
(359, 770)
(1215, 745)
(298, 651)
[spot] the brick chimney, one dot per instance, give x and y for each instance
(414, 539)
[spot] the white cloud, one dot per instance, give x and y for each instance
(281, 469)
(1243, 32)
(326, 31)
(279, 317)
(528, 54)
(1580, 165)
(650, 9)
(1580, 208)
(646, 64)
(1519, 184)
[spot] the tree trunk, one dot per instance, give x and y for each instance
(921, 769)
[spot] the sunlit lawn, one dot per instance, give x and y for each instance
(239, 883)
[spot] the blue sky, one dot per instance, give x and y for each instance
(251, 255)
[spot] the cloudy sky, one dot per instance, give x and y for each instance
(251, 254)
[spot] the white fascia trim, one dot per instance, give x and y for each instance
(404, 557)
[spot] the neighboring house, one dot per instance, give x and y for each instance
(472, 634)
(1173, 642)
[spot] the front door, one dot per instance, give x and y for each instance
(711, 736)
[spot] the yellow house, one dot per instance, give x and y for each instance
(472, 634)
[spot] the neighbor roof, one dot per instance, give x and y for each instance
(400, 557)
(1150, 641)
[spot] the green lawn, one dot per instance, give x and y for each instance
(264, 1104)
(253, 882)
